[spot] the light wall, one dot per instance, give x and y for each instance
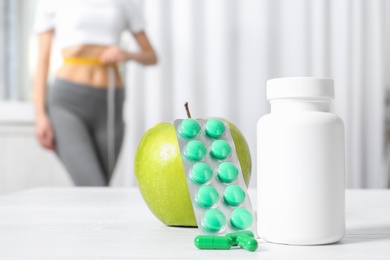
(217, 55)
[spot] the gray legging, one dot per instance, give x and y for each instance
(78, 114)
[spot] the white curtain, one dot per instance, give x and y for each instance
(218, 55)
(17, 50)
(2, 49)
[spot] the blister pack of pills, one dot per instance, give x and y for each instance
(217, 188)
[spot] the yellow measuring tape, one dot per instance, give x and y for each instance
(82, 61)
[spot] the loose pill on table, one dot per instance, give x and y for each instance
(213, 242)
(215, 128)
(220, 149)
(189, 128)
(247, 243)
(233, 236)
(195, 150)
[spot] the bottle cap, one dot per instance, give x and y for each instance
(300, 87)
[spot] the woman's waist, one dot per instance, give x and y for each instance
(84, 51)
(89, 71)
(82, 64)
(78, 97)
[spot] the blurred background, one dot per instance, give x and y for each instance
(217, 55)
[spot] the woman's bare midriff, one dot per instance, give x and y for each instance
(93, 75)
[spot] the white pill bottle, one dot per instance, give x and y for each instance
(301, 164)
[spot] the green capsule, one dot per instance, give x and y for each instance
(233, 236)
(213, 220)
(195, 150)
(206, 196)
(220, 149)
(213, 242)
(189, 128)
(247, 242)
(201, 173)
(215, 128)
(227, 172)
(234, 195)
(241, 218)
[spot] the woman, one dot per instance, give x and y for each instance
(82, 119)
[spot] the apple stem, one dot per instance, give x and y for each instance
(187, 109)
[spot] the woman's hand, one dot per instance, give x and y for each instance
(44, 132)
(114, 54)
(43, 129)
(145, 56)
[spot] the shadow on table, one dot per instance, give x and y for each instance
(363, 235)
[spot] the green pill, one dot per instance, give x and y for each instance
(233, 236)
(220, 149)
(215, 128)
(234, 195)
(206, 196)
(213, 220)
(189, 128)
(213, 242)
(227, 172)
(195, 150)
(247, 243)
(241, 218)
(201, 173)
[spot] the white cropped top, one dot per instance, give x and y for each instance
(98, 22)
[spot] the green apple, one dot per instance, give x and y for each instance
(160, 173)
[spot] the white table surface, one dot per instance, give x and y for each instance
(115, 223)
